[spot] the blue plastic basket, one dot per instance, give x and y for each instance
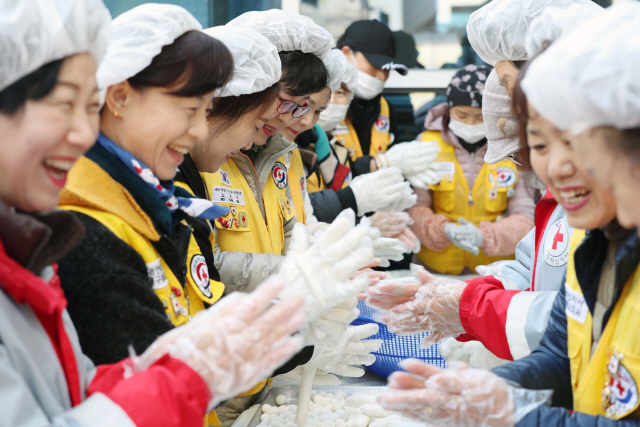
(396, 348)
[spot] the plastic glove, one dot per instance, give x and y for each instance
(390, 224)
(385, 248)
(392, 292)
(327, 329)
(409, 240)
(410, 157)
(379, 189)
(320, 271)
(237, 342)
(452, 351)
(493, 269)
(465, 236)
(480, 357)
(434, 308)
(459, 396)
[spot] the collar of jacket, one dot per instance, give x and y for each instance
(100, 181)
(590, 257)
(36, 240)
(189, 174)
(276, 147)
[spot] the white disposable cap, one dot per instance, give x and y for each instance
(36, 32)
(340, 70)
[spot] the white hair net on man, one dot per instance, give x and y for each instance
(497, 30)
(36, 32)
(553, 22)
(340, 70)
(138, 36)
(288, 31)
(256, 64)
(589, 78)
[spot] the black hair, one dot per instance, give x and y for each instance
(233, 107)
(33, 86)
(302, 73)
(196, 61)
(340, 43)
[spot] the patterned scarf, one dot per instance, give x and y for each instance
(200, 208)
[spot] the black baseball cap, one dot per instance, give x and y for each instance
(376, 42)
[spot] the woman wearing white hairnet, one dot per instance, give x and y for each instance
(49, 116)
(588, 354)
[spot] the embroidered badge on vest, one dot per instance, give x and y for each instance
(200, 274)
(382, 124)
(620, 392)
(224, 176)
(279, 174)
(503, 177)
(556, 243)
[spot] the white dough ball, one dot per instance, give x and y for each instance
(281, 399)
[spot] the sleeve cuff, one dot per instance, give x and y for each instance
(347, 199)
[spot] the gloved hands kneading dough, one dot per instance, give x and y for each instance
(320, 272)
(458, 396)
(237, 342)
(392, 292)
(415, 160)
(465, 236)
(385, 248)
(390, 224)
(380, 189)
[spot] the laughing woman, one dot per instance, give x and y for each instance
(140, 272)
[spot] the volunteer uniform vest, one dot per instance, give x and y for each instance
(298, 184)
(347, 138)
(453, 198)
(605, 384)
(244, 229)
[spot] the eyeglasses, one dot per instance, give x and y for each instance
(513, 157)
(287, 106)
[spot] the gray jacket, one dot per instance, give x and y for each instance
(243, 271)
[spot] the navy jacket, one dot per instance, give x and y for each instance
(547, 367)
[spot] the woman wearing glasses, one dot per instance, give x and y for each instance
(253, 183)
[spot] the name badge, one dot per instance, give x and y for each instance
(576, 306)
(227, 195)
(447, 170)
(156, 273)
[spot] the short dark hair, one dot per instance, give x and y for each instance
(195, 60)
(35, 85)
(302, 73)
(233, 107)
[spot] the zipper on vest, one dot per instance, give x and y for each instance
(470, 198)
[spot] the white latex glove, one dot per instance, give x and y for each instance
(327, 329)
(237, 342)
(493, 269)
(320, 271)
(429, 176)
(434, 308)
(390, 224)
(379, 189)
(458, 396)
(411, 157)
(385, 248)
(480, 357)
(407, 201)
(409, 240)
(452, 351)
(465, 236)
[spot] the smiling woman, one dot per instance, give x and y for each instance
(140, 259)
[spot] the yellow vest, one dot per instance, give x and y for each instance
(244, 229)
(604, 384)
(298, 184)
(380, 137)
(453, 198)
(115, 208)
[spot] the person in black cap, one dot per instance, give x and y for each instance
(368, 129)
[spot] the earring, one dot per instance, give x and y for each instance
(115, 113)
(207, 122)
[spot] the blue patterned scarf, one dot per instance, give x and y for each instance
(199, 208)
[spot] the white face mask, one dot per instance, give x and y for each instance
(470, 133)
(368, 87)
(332, 116)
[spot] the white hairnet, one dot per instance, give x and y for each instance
(340, 70)
(36, 32)
(589, 77)
(138, 36)
(256, 64)
(553, 22)
(497, 30)
(288, 31)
